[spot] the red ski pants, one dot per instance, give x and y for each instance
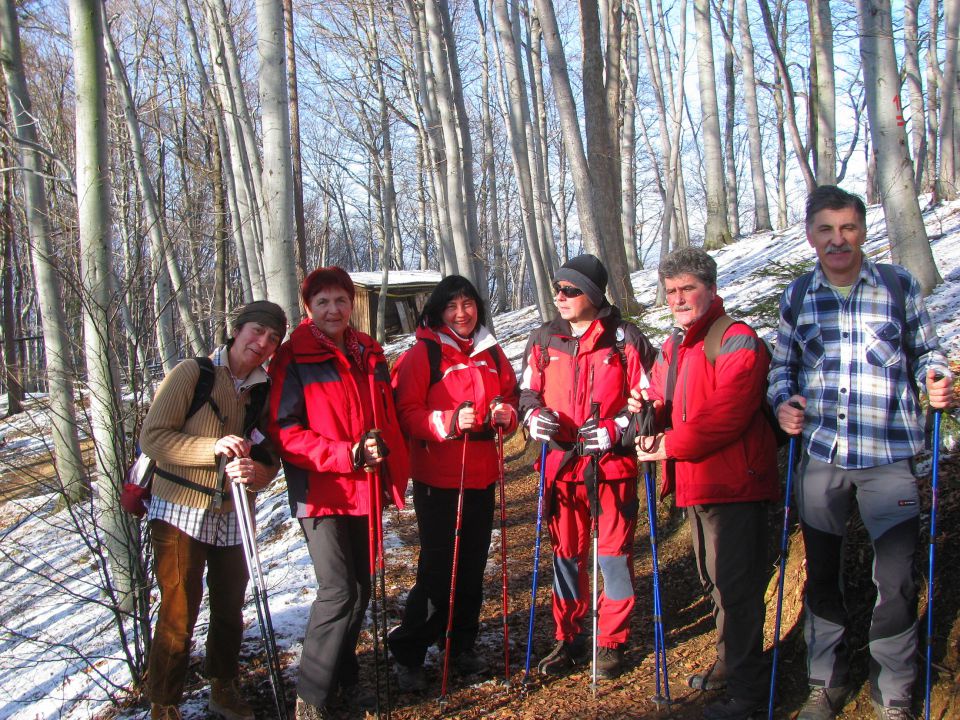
(570, 527)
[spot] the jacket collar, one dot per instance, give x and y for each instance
(483, 339)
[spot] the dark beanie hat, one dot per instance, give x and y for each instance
(588, 274)
(264, 312)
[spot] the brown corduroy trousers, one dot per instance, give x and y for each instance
(179, 562)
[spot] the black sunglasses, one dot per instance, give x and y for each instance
(568, 291)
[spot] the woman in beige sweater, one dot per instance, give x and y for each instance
(193, 523)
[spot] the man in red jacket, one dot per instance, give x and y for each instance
(721, 460)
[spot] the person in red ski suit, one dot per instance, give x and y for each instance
(577, 371)
(331, 387)
(455, 361)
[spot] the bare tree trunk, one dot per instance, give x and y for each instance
(11, 361)
(947, 177)
(717, 230)
(600, 47)
(823, 91)
(491, 210)
(729, 122)
(933, 108)
(515, 100)
(165, 266)
(788, 95)
(628, 140)
(761, 209)
(909, 245)
(914, 82)
(44, 257)
(297, 156)
(220, 269)
(93, 204)
(279, 241)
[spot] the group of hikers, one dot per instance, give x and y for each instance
(850, 356)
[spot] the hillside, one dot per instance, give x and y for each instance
(57, 659)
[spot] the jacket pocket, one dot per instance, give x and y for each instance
(883, 343)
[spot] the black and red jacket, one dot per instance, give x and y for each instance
(428, 398)
(317, 417)
(568, 374)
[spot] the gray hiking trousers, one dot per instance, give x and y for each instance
(887, 499)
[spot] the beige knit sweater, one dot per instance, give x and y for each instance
(186, 448)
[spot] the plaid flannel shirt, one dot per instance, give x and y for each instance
(856, 368)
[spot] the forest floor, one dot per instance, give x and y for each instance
(690, 633)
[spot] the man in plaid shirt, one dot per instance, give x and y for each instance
(845, 373)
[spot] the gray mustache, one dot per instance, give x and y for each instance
(833, 250)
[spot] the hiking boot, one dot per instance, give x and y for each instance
(710, 679)
(564, 657)
(891, 713)
(357, 698)
(164, 712)
(734, 709)
(306, 711)
(609, 662)
(410, 678)
(824, 703)
(469, 663)
(225, 700)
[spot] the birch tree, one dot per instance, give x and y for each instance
(44, 258)
(909, 245)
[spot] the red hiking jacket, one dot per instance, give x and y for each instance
(721, 447)
(426, 411)
(316, 417)
(567, 374)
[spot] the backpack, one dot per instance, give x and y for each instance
(711, 348)
(139, 476)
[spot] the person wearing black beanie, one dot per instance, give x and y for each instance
(577, 370)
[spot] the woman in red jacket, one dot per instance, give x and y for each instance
(330, 388)
(456, 361)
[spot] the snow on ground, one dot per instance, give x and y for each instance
(58, 654)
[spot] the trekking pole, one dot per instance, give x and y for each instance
(933, 532)
(659, 636)
(453, 574)
(503, 558)
(536, 560)
(252, 557)
(378, 609)
(645, 427)
(595, 538)
(372, 545)
(783, 566)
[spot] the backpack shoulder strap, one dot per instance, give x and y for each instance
(433, 361)
(714, 338)
(891, 279)
(202, 392)
(800, 288)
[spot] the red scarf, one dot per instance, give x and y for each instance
(350, 340)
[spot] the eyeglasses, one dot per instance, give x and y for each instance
(568, 291)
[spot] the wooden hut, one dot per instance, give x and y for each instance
(407, 292)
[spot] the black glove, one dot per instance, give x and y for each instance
(543, 424)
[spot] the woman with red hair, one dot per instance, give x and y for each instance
(331, 387)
